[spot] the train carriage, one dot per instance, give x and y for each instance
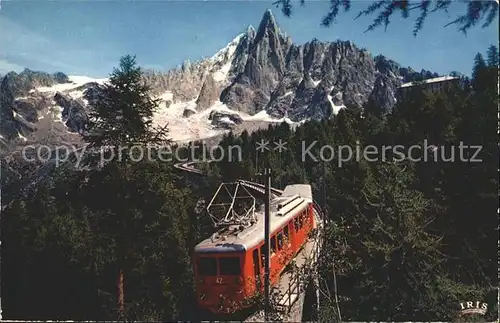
(229, 266)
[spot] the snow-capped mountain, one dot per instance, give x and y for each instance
(261, 76)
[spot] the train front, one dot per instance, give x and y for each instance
(219, 272)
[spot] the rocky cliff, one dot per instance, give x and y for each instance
(264, 70)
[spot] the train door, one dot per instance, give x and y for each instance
(256, 269)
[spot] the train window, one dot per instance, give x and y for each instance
(299, 221)
(286, 233)
(256, 267)
(280, 240)
(207, 266)
(303, 218)
(229, 266)
(273, 245)
(296, 224)
(262, 255)
(256, 262)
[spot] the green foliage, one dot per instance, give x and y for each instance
(476, 12)
(403, 240)
(492, 56)
(123, 113)
(408, 241)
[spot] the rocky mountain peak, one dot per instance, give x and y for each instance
(309, 80)
(18, 109)
(186, 66)
(258, 70)
(20, 84)
(267, 25)
(250, 32)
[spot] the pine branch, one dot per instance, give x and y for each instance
(476, 11)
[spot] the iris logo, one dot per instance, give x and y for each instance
(473, 308)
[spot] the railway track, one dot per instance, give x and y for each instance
(188, 167)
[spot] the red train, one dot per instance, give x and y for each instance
(230, 270)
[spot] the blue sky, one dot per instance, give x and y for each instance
(88, 37)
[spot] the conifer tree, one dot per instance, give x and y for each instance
(120, 121)
(492, 56)
(123, 113)
(478, 127)
(478, 70)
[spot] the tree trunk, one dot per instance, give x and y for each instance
(121, 295)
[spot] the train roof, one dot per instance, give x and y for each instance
(294, 198)
(302, 190)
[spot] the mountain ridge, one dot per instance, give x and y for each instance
(259, 70)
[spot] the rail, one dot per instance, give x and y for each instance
(292, 293)
(188, 167)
